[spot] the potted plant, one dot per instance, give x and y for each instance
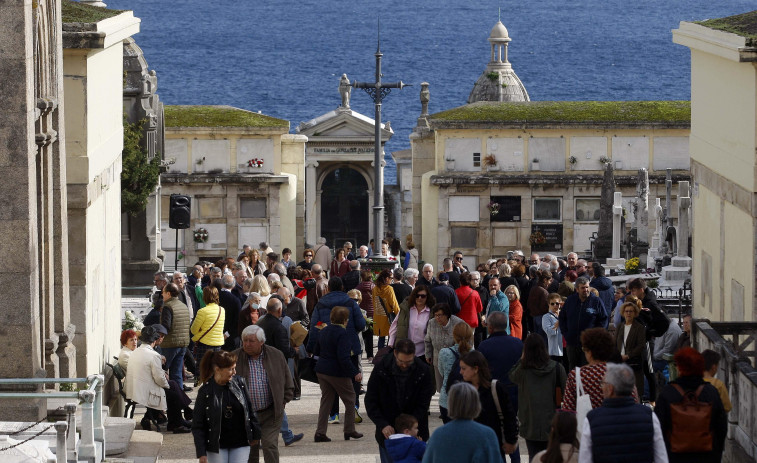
(572, 160)
(632, 266)
(490, 161)
(493, 208)
(535, 164)
(450, 163)
(604, 160)
(255, 163)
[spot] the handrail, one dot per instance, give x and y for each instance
(41, 380)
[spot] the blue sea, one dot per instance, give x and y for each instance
(284, 58)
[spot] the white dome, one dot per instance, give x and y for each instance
(499, 31)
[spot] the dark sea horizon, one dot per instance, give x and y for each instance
(285, 58)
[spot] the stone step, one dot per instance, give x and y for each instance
(144, 447)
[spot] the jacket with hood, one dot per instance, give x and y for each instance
(536, 407)
(606, 294)
(405, 449)
(322, 314)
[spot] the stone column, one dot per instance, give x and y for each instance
(617, 231)
(642, 188)
(311, 217)
(60, 442)
(684, 203)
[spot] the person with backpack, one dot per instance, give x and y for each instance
(449, 363)
(691, 414)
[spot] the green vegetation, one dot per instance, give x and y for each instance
(75, 12)
(583, 112)
(744, 25)
(218, 116)
(493, 75)
(139, 176)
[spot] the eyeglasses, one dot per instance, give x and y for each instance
(458, 258)
(554, 303)
(440, 315)
(308, 255)
(421, 296)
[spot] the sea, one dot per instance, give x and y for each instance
(284, 58)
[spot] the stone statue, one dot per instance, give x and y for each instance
(425, 98)
(642, 190)
(345, 89)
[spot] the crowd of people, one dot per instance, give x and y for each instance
(540, 349)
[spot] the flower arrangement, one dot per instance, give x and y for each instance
(255, 162)
(604, 160)
(572, 160)
(181, 255)
(490, 160)
(632, 266)
(537, 238)
(493, 208)
(201, 161)
(200, 235)
(130, 322)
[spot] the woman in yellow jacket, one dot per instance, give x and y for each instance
(384, 304)
(207, 327)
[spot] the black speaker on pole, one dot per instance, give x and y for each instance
(180, 211)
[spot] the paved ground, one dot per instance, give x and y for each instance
(179, 448)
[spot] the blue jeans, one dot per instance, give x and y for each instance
(286, 433)
(175, 364)
(235, 455)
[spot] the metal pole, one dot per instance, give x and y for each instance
(378, 172)
(176, 262)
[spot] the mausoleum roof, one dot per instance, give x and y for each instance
(499, 31)
(219, 116)
(744, 24)
(75, 12)
(675, 114)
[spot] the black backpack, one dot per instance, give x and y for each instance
(454, 374)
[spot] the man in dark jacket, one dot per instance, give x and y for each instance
(231, 307)
(582, 310)
(352, 278)
(604, 285)
(640, 427)
(443, 292)
(400, 383)
(322, 312)
(275, 334)
(427, 276)
(401, 288)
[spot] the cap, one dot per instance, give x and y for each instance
(443, 277)
(160, 329)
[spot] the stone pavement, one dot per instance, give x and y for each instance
(179, 448)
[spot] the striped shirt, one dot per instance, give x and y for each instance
(260, 391)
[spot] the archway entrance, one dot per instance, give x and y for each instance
(344, 208)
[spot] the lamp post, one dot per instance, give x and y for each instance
(378, 90)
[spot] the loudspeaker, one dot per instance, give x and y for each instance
(180, 211)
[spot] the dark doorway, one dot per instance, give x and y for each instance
(344, 208)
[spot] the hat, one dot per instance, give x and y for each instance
(443, 277)
(160, 329)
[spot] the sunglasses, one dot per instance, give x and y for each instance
(458, 258)
(554, 303)
(308, 255)
(421, 296)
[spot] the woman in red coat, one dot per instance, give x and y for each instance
(340, 265)
(470, 301)
(516, 311)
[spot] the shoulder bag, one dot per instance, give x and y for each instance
(499, 411)
(583, 402)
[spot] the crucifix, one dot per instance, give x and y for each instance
(378, 90)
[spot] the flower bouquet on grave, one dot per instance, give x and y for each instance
(537, 238)
(632, 266)
(181, 255)
(131, 322)
(255, 162)
(200, 235)
(493, 208)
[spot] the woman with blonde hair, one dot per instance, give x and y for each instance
(630, 340)
(207, 327)
(516, 311)
(260, 286)
(255, 264)
(462, 333)
(385, 306)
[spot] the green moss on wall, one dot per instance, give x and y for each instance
(586, 112)
(744, 25)
(75, 12)
(218, 116)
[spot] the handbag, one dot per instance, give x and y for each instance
(306, 369)
(499, 411)
(558, 388)
(194, 349)
(583, 403)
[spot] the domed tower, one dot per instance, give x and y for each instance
(498, 82)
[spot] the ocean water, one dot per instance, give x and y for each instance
(284, 58)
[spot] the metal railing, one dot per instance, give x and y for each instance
(675, 301)
(91, 399)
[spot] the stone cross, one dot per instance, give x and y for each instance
(617, 216)
(668, 194)
(642, 189)
(684, 204)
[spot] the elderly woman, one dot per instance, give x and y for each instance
(366, 303)
(462, 439)
(439, 336)
(207, 327)
(260, 285)
(384, 305)
(630, 341)
(335, 371)
(339, 265)
(251, 312)
(146, 381)
(462, 334)
(128, 345)
(412, 319)
(224, 426)
(515, 315)
(598, 346)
